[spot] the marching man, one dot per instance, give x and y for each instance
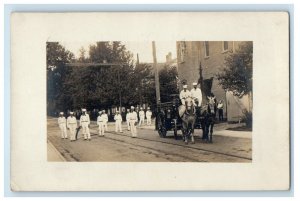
(105, 119)
(133, 120)
(184, 94)
(100, 124)
(72, 125)
(62, 125)
(142, 117)
(84, 123)
(196, 95)
(148, 116)
(128, 119)
(118, 119)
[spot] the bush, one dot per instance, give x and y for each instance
(247, 118)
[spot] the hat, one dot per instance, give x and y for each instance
(132, 107)
(148, 108)
(195, 83)
(185, 86)
(103, 110)
(83, 110)
(117, 111)
(100, 112)
(61, 113)
(71, 112)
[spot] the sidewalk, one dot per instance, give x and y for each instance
(52, 154)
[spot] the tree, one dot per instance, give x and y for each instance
(57, 57)
(168, 82)
(237, 74)
(82, 57)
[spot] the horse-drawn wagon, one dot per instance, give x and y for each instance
(167, 117)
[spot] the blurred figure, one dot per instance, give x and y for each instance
(62, 125)
(84, 123)
(72, 125)
(118, 119)
(220, 110)
(100, 124)
(148, 116)
(133, 120)
(128, 119)
(142, 117)
(105, 119)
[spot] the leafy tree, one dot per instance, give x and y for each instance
(168, 82)
(57, 57)
(237, 74)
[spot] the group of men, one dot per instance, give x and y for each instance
(195, 94)
(71, 123)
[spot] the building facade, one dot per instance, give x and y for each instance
(202, 60)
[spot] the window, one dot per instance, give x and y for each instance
(225, 46)
(206, 48)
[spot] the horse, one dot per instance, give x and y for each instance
(208, 120)
(188, 120)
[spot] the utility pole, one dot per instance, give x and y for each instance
(156, 73)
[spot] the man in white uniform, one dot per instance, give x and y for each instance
(72, 125)
(100, 124)
(133, 120)
(62, 125)
(84, 123)
(142, 117)
(196, 95)
(105, 119)
(118, 119)
(184, 94)
(128, 119)
(148, 116)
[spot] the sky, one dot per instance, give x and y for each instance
(144, 49)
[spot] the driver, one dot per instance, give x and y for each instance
(185, 93)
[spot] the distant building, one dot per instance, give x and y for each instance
(211, 55)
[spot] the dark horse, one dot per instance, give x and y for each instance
(208, 121)
(188, 120)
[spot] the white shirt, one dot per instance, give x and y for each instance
(220, 105)
(99, 119)
(127, 116)
(61, 120)
(105, 117)
(185, 94)
(142, 114)
(118, 117)
(71, 121)
(85, 119)
(197, 94)
(148, 113)
(133, 116)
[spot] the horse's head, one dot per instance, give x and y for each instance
(189, 105)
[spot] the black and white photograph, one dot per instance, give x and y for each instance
(149, 101)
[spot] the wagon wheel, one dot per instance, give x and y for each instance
(175, 129)
(162, 131)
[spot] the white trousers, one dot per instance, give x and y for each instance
(133, 128)
(63, 130)
(118, 126)
(72, 131)
(128, 124)
(101, 129)
(105, 125)
(86, 131)
(142, 120)
(148, 121)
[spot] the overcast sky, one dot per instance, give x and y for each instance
(144, 49)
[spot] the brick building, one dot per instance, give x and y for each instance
(211, 55)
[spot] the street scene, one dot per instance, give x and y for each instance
(137, 102)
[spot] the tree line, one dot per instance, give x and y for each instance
(100, 87)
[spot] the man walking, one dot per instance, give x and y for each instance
(133, 120)
(62, 125)
(148, 116)
(118, 119)
(105, 119)
(72, 125)
(128, 119)
(142, 117)
(84, 123)
(100, 124)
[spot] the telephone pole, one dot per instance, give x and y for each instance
(156, 73)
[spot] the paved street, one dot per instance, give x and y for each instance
(228, 146)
